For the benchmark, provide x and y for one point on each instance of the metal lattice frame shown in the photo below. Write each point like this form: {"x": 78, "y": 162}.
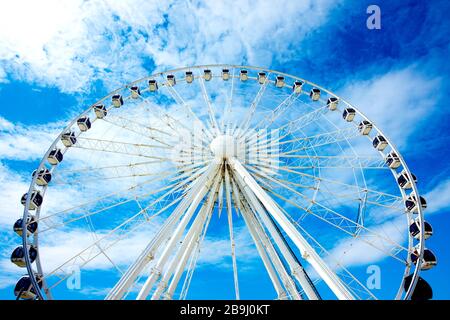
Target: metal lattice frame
{"x": 246, "y": 188}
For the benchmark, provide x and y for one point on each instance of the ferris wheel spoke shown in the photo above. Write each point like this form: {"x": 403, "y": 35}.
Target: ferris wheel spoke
{"x": 93, "y": 250}
{"x": 105, "y": 205}
{"x": 230, "y": 229}
{"x": 259, "y": 235}
{"x": 211, "y": 179}
{"x": 391, "y": 202}
{"x": 352, "y": 282}
{"x": 296, "y": 125}
{"x": 117, "y": 194}
{"x": 212, "y": 117}
{"x": 371, "y": 197}
{"x": 109, "y": 177}
{"x": 191, "y": 240}
{"x": 268, "y": 176}
{"x": 303, "y": 143}
{"x": 104, "y": 208}
{"x": 243, "y": 127}
{"x": 389, "y": 197}
{"x": 140, "y": 129}
{"x": 118, "y": 233}
{"x": 330, "y": 162}
{"x": 174, "y": 124}
{"x": 228, "y": 107}
{"x": 177, "y": 97}
{"x": 113, "y": 143}
{"x": 278, "y": 111}
{"x": 198, "y": 187}
{"x": 131, "y": 149}
{"x": 295, "y": 267}
{"x": 132, "y": 169}
{"x": 351, "y": 228}
{"x": 118, "y": 167}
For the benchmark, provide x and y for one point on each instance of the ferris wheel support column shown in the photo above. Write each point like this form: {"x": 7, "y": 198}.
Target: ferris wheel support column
{"x": 146, "y": 256}
{"x": 184, "y": 251}
{"x": 296, "y": 268}
{"x": 308, "y": 253}
{"x": 156, "y": 270}
{"x": 259, "y": 235}
{"x": 194, "y": 243}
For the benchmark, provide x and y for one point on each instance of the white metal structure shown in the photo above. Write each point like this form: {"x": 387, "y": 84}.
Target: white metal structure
{"x": 138, "y": 179}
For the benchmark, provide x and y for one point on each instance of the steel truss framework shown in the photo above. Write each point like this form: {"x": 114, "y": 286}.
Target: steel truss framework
{"x": 252, "y": 159}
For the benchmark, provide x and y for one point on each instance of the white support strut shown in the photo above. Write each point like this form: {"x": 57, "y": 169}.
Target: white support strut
{"x": 308, "y": 253}
{"x": 193, "y": 244}
{"x": 296, "y": 269}
{"x": 146, "y": 256}
{"x": 156, "y": 270}
{"x": 259, "y": 235}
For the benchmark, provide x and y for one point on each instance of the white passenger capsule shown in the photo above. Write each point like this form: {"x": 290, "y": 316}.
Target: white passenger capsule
{"x": 189, "y": 76}
{"x": 411, "y": 203}
{"x": 392, "y": 160}
{"x": 379, "y": 143}
{"x": 414, "y": 229}
{"x": 171, "y": 80}
{"x": 365, "y": 127}
{"x": 404, "y": 181}
{"x": 332, "y": 103}
{"x": 279, "y": 81}
{"x": 31, "y": 225}
{"x": 36, "y": 200}
{"x": 152, "y": 85}
{"x": 117, "y": 100}
{"x": 349, "y": 114}
{"x": 262, "y": 77}
{"x": 422, "y": 290}
{"x": 55, "y": 156}
{"x": 225, "y": 74}
{"x": 207, "y": 74}
{"x": 429, "y": 259}
{"x": 243, "y": 75}
{"x": 84, "y": 123}
{"x": 18, "y": 256}
{"x": 135, "y": 92}
{"x": 297, "y": 87}
{"x": 314, "y": 94}
{"x": 68, "y": 139}
{"x": 24, "y": 288}
{"x": 100, "y": 111}
{"x": 43, "y": 177}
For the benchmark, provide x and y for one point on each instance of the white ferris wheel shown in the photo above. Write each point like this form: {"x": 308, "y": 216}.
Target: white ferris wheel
{"x": 137, "y": 185}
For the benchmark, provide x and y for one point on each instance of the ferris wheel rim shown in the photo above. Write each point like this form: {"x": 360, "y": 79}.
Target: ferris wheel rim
{"x": 26, "y": 242}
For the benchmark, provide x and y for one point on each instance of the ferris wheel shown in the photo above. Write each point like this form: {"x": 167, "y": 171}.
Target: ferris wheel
{"x": 267, "y": 170}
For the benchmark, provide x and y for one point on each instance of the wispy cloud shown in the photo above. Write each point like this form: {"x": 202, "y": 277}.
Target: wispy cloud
{"x": 72, "y": 44}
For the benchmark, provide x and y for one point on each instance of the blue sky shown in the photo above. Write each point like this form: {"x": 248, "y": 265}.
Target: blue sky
{"x": 58, "y": 57}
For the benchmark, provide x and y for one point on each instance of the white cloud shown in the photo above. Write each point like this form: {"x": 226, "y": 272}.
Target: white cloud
{"x": 26, "y": 142}
{"x": 71, "y": 44}
{"x": 438, "y": 198}
{"x": 353, "y": 251}
{"x": 396, "y": 101}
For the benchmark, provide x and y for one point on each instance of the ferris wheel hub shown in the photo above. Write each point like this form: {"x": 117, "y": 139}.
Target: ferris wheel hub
{"x": 224, "y": 146}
